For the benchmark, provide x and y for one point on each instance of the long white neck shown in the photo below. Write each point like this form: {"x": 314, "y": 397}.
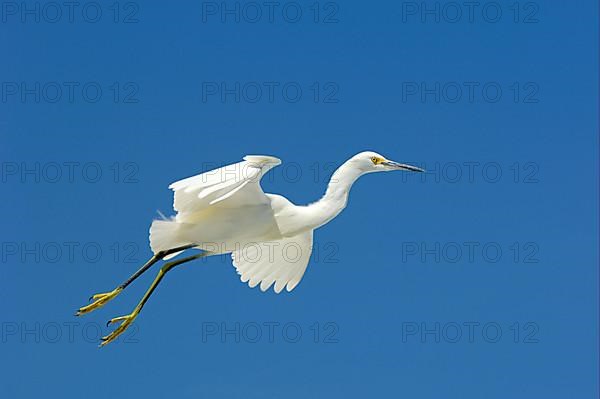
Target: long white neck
{"x": 336, "y": 196}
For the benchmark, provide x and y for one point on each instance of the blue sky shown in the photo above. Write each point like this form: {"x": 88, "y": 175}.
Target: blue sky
{"x": 477, "y": 279}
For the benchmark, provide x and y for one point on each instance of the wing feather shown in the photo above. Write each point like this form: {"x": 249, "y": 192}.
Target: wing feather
{"x": 232, "y": 185}
{"x": 268, "y": 263}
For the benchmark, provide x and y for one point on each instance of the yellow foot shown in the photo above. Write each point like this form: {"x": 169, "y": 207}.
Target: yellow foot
{"x": 99, "y": 301}
{"x": 126, "y": 322}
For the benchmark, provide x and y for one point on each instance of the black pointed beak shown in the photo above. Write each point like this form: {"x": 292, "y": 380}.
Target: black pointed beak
{"x": 402, "y": 166}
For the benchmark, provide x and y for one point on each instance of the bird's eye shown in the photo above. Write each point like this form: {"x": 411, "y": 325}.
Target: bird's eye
{"x": 374, "y": 160}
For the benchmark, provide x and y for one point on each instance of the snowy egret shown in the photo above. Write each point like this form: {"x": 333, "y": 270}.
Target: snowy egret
{"x": 226, "y": 211}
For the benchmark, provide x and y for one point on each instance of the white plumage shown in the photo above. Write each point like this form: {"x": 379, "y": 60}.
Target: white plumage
{"x": 226, "y": 211}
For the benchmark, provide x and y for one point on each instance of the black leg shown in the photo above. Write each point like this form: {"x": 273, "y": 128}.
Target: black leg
{"x": 159, "y": 255}
{"x": 103, "y": 298}
{"x": 128, "y": 319}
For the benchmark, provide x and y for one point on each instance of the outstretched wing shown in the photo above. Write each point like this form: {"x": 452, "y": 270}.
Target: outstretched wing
{"x": 282, "y": 262}
{"x": 232, "y": 185}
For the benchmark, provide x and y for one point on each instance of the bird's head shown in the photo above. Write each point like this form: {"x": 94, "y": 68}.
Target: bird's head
{"x": 369, "y": 161}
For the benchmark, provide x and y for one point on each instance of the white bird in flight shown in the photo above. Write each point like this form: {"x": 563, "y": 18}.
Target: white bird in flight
{"x": 225, "y": 211}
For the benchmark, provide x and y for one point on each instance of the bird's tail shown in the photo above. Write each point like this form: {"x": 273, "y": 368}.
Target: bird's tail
{"x": 165, "y": 235}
